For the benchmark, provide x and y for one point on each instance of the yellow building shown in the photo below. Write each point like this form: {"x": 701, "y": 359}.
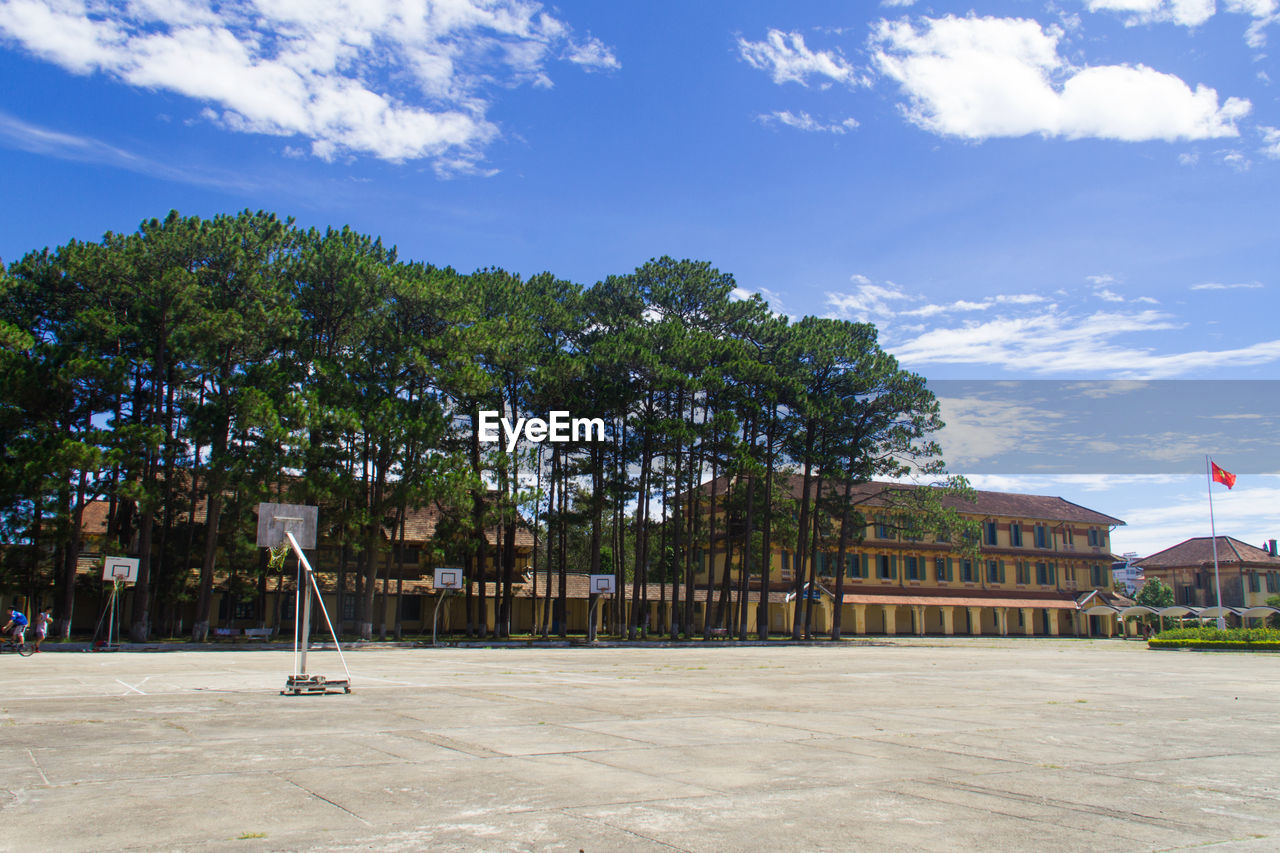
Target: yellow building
{"x": 1040, "y": 556}
{"x": 1248, "y": 575}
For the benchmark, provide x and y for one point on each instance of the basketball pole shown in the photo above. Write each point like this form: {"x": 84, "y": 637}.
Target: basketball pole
{"x": 300, "y": 641}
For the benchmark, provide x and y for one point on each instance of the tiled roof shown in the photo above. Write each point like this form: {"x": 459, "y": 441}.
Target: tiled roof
{"x": 1199, "y": 551}
{"x": 420, "y": 523}
{"x": 987, "y": 503}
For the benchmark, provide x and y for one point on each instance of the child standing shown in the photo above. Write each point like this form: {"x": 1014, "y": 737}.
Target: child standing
{"x": 42, "y": 625}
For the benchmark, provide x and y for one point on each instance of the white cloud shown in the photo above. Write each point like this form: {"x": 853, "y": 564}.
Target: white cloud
{"x": 1057, "y": 342}
{"x": 1214, "y": 285}
{"x": 24, "y": 136}
{"x": 1033, "y": 335}
{"x": 1271, "y": 142}
{"x": 978, "y": 78}
{"x": 804, "y": 121}
{"x": 869, "y": 301}
{"x": 788, "y": 60}
{"x": 1188, "y": 13}
{"x": 399, "y": 82}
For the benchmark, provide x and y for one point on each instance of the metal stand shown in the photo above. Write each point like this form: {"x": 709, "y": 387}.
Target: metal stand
{"x": 435, "y": 620}
{"x": 300, "y": 683}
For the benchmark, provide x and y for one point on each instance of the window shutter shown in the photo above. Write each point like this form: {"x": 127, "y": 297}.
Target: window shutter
{"x": 1002, "y": 571}
{"x": 950, "y": 576}
{"x": 865, "y": 567}
{"x": 893, "y": 567}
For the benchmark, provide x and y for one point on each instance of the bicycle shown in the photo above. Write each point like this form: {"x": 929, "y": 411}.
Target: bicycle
{"x": 26, "y": 649}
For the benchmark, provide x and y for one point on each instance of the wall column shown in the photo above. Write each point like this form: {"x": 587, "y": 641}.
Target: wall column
{"x": 1028, "y": 621}
{"x": 890, "y": 618}
{"x": 948, "y": 620}
{"x": 919, "y": 609}
{"x": 859, "y": 618}
{"x": 1054, "y": 617}
{"x": 1002, "y": 621}
{"x": 975, "y": 620}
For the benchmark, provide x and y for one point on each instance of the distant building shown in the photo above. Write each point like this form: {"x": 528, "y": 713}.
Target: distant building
{"x": 1126, "y": 575}
{"x": 1248, "y": 574}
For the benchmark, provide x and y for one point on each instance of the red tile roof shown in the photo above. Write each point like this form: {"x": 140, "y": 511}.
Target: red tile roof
{"x": 1198, "y": 551}
{"x": 987, "y": 503}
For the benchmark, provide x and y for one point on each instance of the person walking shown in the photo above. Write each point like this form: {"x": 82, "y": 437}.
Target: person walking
{"x": 43, "y": 620}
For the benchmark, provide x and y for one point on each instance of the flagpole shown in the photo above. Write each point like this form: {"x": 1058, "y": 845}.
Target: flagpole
{"x": 1213, "y": 532}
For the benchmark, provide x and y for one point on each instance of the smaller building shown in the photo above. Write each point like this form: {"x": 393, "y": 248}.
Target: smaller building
{"x": 1248, "y": 574}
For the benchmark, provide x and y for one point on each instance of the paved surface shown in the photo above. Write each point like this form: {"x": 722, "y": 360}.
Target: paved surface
{"x": 969, "y": 745}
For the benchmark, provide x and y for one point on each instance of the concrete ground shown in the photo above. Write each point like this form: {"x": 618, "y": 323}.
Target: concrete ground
{"x": 967, "y": 744}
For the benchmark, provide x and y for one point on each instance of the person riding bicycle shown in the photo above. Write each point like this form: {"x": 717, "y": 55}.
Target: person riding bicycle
{"x": 17, "y": 625}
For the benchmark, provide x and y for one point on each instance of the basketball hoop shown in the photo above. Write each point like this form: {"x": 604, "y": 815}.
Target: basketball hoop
{"x": 292, "y": 527}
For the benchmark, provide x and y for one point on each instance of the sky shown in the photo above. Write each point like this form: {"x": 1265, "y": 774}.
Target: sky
{"x": 1013, "y": 191}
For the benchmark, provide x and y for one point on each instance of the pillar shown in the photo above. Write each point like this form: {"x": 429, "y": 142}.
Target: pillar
{"x": 1053, "y": 622}
{"x": 948, "y": 620}
{"x": 1028, "y": 621}
{"x": 1002, "y": 621}
{"x": 975, "y": 620}
{"x": 890, "y": 618}
{"x": 859, "y": 618}
{"x": 919, "y": 609}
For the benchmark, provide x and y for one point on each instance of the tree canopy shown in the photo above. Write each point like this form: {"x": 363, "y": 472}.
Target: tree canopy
{"x": 215, "y": 363}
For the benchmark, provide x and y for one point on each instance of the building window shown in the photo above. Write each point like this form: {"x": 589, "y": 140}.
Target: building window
{"x": 1067, "y": 536}
{"x": 1023, "y": 572}
{"x": 247, "y": 609}
{"x": 411, "y": 608}
{"x": 940, "y": 569}
{"x": 1255, "y": 582}
{"x": 1042, "y": 573}
{"x": 993, "y": 571}
{"x": 1273, "y": 581}
{"x": 786, "y": 565}
{"x": 1015, "y": 535}
{"x": 349, "y": 606}
{"x": 1096, "y": 576}
{"x": 1094, "y": 539}
{"x": 826, "y": 565}
{"x": 989, "y": 532}
{"x": 966, "y": 572}
{"x": 882, "y": 530}
{"x": 1042, "y": 536}
{"x": 912, "y": 568}
{"x": 883, "y": 567}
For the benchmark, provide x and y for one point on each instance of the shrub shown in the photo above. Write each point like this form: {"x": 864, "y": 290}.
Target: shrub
{"x": 1206, "y": 637}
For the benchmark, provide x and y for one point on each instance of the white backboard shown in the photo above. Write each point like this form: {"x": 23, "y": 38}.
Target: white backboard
{"x": 448, "y": 579}
{"x": 124, "y": 569}
{"x": 299, "y": 519}
{"x": 602, "y": 584}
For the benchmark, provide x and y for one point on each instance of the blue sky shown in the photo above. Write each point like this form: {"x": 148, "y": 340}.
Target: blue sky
{"x": 1078, "y": 189}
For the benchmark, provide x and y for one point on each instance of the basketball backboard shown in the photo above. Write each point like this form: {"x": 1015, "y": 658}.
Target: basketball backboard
{"x": 602, "y": 584}
{"x": 448, "y": 579}
{"x": 123, "y": 569}
{"x": 298, "y": 519}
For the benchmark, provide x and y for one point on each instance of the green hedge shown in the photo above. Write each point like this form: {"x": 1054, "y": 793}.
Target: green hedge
{"x": 1238, "y": 639}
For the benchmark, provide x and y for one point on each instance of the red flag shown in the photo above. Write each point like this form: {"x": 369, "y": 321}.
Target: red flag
{"x": 1226, "y": 478}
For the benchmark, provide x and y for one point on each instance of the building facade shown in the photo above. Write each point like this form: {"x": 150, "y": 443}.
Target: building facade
{"x": 1248, "y": 575}
{"x": 1039, "y": 557}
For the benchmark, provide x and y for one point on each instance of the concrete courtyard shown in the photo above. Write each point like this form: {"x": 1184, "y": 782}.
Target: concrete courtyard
{"x": 967, "y": 744}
